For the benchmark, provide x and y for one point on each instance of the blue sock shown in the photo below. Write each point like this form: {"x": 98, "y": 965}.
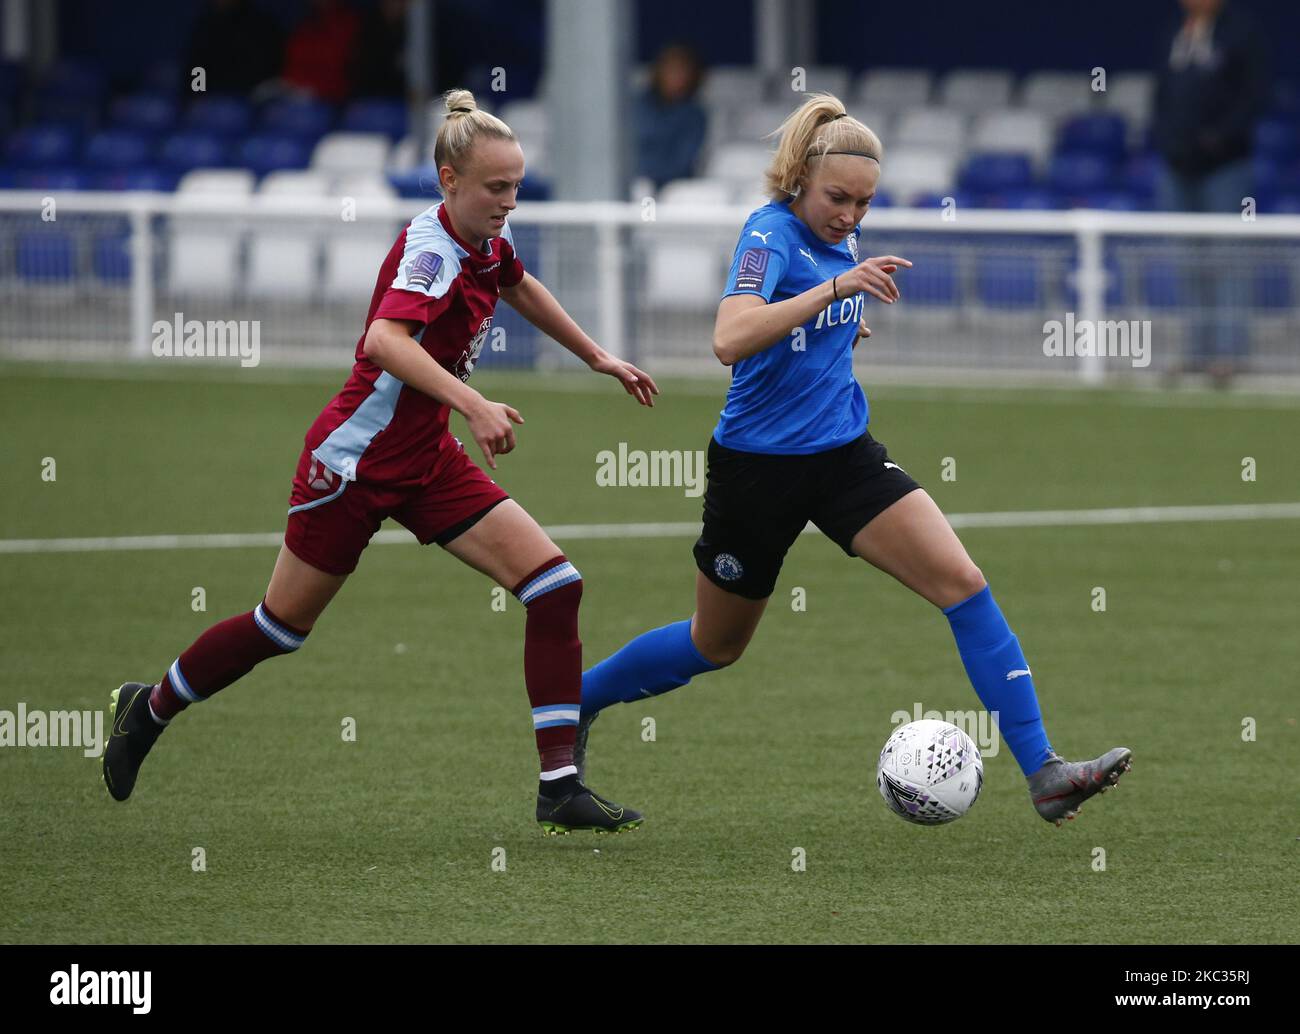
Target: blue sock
{"x": 1000, "y": 675}
{"x": 652, "y": 663}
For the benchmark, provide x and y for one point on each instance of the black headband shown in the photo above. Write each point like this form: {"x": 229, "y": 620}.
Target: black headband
{"x": 860, "y": 154}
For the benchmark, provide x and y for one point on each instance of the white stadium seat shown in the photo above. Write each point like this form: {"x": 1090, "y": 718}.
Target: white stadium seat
{"x": 340, "y": 153}
{"x": 740, "y": 164}
{"x": 937, "y": 128}
{"x": 1058, "y": 94}
{"x": 975, "y": 90}
{"x": 732, "y": 86}
{"x": 364, "y": 185}
{"x": 818, "y": 79}
{"x": 202, "y": 250}
{"x": 293, "y": 183}
{"x": 1132, "y": 95}
{"x": 915, "y": 171}
{"x": 752, "y": 123}
{"x": 353, "y": 255}
{"x": 695, "y": 192}
{"x": 284, "y": 254}
{"x": 894, "y": 89}
{"x": 216, "y": 181}
{"x": 525, "y": 117}
{"x": 1028, "y": 132}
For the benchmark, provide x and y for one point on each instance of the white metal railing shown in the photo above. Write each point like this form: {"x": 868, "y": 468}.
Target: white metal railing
{"x": 613, "y": 230}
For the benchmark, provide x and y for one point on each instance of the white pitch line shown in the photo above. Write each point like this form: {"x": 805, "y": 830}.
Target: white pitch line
{"x": 672, "y": 529}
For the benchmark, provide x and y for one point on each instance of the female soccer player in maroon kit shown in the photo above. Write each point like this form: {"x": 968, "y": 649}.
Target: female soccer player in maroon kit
{"x": 381, "y": 448}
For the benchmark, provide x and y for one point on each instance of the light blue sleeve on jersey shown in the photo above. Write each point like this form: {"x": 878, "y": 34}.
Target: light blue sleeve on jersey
{"x": 759, "y": 263}
{"x": 430, "y": 261}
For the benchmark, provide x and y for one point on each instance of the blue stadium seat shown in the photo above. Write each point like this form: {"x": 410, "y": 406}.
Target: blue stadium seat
{"x": 934, "y": 199}
{"x": 1163, "y": 285}
{"x": 118, "y": 149}
{"x": 1111, "y": 201}
{"x": 53, "y": 178}
{"x": 192, "y": 149}
{"x": 420, "y": 182}
{"x": 1274, "y": 284}
{"x": 146, "y": 112}
{"x": 42, "y": 146}
{"x": 933, "y": 280}
{"x": 70, "y": 90}
{"x": 534, "y": 188}
{"x": 1073, "y": 173}
{"x": 266, "y": 152}
{"x": 45, "y": 255}
{"x": 1267, "y": 175}
{"x": 1099, "y": 134}
{"x": 375, "y": 115}
{"x": 1026, "y": 198}
{"x": 1280, "y": 204}
{"x": 1141, "y": 175}
{"x": 111, "y": 256}
{"x": 140, "y": 177}
{"x": 989, "y": 173}
{"x": 1009, "y": 280}
{"x": 1278, "y": 138}
{"x": 6, "y": 179}
{"x": 309, "y": 119}
{"x": 219, "y": 115}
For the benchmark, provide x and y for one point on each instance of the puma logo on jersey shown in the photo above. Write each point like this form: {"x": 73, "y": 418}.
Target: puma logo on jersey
{"x": 761, "y": 236}
{"x": 1015, "y": 673}
{"x": 808, "y": 256}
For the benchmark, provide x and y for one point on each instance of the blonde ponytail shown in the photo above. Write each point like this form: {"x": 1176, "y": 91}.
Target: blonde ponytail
{"x": 465, "y": 123}
{"x": 820, "y": 124}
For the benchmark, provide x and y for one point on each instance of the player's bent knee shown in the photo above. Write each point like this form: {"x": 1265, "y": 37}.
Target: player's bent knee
{"x": 722, "y": 654}
{"x": 962, "y": 584}
{"x": 554, "y": 581}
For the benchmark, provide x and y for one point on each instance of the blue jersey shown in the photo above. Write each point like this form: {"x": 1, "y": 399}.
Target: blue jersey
{"x": 798, "y": 395}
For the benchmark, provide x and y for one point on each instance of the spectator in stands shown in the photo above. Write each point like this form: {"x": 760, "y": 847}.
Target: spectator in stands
{"x": 1211, "y": 86}
{"x": 238, "y": 47}
{"x": 318, "y": 58}
{"x": 380, "y": 62}
{"x": 670, "y": 122}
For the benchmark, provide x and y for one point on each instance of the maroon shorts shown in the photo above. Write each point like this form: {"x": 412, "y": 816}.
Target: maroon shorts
{"x": 331, "y": 520}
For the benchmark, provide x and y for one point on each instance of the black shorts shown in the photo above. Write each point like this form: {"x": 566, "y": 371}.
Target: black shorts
{"x": 756, "y": 505}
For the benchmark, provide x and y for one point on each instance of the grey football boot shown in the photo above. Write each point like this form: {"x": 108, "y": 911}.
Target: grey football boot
{"x": 1060, "y": 787}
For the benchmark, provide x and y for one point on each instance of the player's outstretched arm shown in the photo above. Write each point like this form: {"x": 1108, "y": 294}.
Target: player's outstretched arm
{"x": 747, "y": 324}
{"x": 538, "y": 306}
{"x": 390, "y": 346}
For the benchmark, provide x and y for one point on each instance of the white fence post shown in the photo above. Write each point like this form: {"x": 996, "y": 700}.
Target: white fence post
{"x": 1091, "y": 290}
{"x": 142, "y": 286}
{"x": 610, "y": 301}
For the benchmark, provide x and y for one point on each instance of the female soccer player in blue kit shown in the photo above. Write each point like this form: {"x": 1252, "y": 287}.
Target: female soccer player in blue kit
{"x": 792, "y": 446}
{"x": 381, "y": 448}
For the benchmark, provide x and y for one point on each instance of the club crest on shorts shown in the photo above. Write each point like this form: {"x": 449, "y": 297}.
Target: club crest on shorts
{"x": 319, "y": 476}
{"x": 727, "y": 567}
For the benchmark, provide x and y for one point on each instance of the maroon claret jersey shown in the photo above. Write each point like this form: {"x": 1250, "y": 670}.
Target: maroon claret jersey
{"x": 377, "y": 428}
